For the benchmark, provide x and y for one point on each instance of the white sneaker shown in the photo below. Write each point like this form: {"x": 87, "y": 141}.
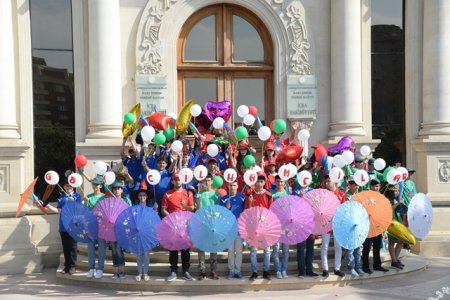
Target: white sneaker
{"x": 91, "y": 273}
{"x": 354, "y": 273}
{"x": 284, "y": 274}
{"x": 279, "y": 275}
{"x": 99, "y": 274}
{"x": 172, "y": 276}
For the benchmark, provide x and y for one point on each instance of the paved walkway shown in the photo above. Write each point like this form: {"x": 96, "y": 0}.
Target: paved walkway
{"x": 420, "y": 285}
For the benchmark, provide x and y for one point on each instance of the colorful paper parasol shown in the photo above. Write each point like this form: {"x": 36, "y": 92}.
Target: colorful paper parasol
{"x": 401, "y": 232}
{"x": 378, "y": 208}
{"x": 39, "y": 203}
{"x": 420, "y": 215}
{"x": 324, "y": 204}
{"x": 24, "y": 196}
{"x": 213, "y": 228}
{"x": 259, "y": 227}
{"x": 296, "y": 217}
{"x": 350, "y": 225}
{"x": 135, "y": 229}
{"x": 172, "y": 232}
{"x": 106, "y": 211}
{"x": 79, "y": 222}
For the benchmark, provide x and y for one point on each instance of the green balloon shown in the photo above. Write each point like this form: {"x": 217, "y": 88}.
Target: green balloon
{"x": 386, "y": 171}
{"x": 241, "y": 133}
{"x": 129, "y": 118}
{"x": 217, "y": 182}
{"x": 249, "y": 160}
{"x": 279, "y": 126}
{"x": 159, "y": 139}
{"x": 169, "y": 133}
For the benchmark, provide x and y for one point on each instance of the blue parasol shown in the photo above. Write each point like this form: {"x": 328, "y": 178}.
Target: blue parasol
{"x": 213, "y": 228}
{"x": 79, "y": 222}
{"x": 351, "y": 224}
{"x": 135, "y": 229}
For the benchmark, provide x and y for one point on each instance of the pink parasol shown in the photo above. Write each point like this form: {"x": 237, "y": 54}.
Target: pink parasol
{"x": 172, "y": 232}
{"x": 296, "y": 217}
{"x": 324, "y": 204}
{"x": 259, "y": 227}
{"x": 106, "y": 211}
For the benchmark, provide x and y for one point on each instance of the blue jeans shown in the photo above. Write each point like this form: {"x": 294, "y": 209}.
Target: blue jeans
{"x": 101, "y": 254}
{"x": 284, "y": 257}
{"x": 254, "y": 261}
{"x": 354, "y": 259}
{"x": 304, "y": 263}
{"x": 143, "y": 260}
{"x": 118, "y": 257}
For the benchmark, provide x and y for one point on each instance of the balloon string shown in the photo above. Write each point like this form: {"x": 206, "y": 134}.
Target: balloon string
{"x": 60, "y": 187}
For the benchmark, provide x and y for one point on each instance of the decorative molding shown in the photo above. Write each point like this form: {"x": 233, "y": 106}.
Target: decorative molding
{"x": 444, "y": 171}
{"x": 4, "y": 178}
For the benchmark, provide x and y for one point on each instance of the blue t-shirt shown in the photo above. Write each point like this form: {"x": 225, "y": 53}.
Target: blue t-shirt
{"x": 237, "y": 203}
{"x": 163, "y": 185}
{"x": 62, "y": 201}
{"x": 134, "y": 167}
{"x": 297, "y": 191}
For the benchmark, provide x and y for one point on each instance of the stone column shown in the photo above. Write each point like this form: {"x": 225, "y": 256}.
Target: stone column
{"x": 8, "y": 122}
{"x": 105, "y": 87}
{"x": 436, "y": 68}
{"x": 346, "y": 82}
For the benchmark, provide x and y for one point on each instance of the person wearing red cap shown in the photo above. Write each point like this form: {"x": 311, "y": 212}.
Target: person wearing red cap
{"x": 272, "y": 171}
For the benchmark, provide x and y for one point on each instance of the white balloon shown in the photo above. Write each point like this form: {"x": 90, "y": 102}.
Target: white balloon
{"x": 404, "y": 172}
{"x": 264, "y": 133}
{"x": 330, "y": 163}
{"x": 147, "y": 133}
{"x": 393, "y": 176}
{"x": 257, "y": 168}
{"x": 100, "y": 168}
{"x": 285, "y": 172}
{"x": 348, "y": 157}
{"x": 242, "y": 111}
{"x": 304, "y": 178}
{"x": 172, "y": 115}
{"x": 230, "y": 175}
{"x": 75, "y": 180}
{"x": 336, "y": 174}
{"x": 153, "y": 176}
{"x": 177, "y": 146}
{"x": 51, "y": 177}
{"x": 200, "y": 172}
{"x": 293, "y": 169}
{"x": 338, "y": 161}
{"x": 303, "y": 135}
{"x": 365, "y": 150}
{"x": 379, "y": 164}
{"x": 249, "y": 120}
{"x": 186, "y": 175}
{"x": 218, "y": 123}
{"x": 361, "y": 177}
{"x": 109, "y": 177}
{"x": 212, "y": 150}
{"x": 250, "y": 177}
{"x": 196, "y": 110}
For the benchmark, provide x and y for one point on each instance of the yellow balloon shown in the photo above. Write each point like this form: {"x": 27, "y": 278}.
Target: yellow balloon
{"x": 128, "y": 129}
{"x": 401, "y": 232}
{"x": 182, "y": 124}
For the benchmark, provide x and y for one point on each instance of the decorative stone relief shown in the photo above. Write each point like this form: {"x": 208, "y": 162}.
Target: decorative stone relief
{"x": 444, "y": 171}
{"x": 4, "y": 178}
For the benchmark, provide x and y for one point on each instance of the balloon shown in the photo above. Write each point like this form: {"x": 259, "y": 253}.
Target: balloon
{"x": 264, "y": 133}
{"x": 159, "y": 121}
{"x": 336, "y": 174}
{"x": 186, "y": 175}
{"x": 249, "y": 160}
{"x": 304, "y": 178}
{"x": 129, "y": 118}
{"x": 379, "y": 164}
{"x": 100, "y": 168}
{"x": 393, "y": 176}
{"x": 404, "y": 172}
{"x": 196, "y": 110}
{"x": 386, "y": 171}
{"x": 177, "y": 146}
{"x": 218, "y": 123}
{"x": 80, "y": 161}
{"x": 320, "y": 152}
{"x": 365, "y": 150}
{"x": 348, "y": 157}
{"x": 169, "y": 133}
{"x": 338, "y": 161}
{"x": 289, "y": 153}
{"x": 257, "y": 168}
{"x": 250, "y": 177}
{"x": 249, "y": 120}
{"x": 345, "y": 143}
{"x": 252, "y": 110}
{"x": 172, "y": 115}
{"x": 212, "y": 150}
{"x": 181, "y": 126}
{"x": 285, "y": 172}
{"x": 75, "y": 180}
{"x": 147, "y": 133}
{"x": 221, "y": 109}
{"x": 242, "y": 111}
{"x": 293, "y": 169}
{"x": 330, "y": 164}
{"x": 217, "y": 182}
{"x": 279, "y": 126}
{"x": 230, "y": 175}
{"x": 200, "y": 172}
{"x": 361, "y": 177}
{"x": 109, "y": 177}
{"x": 241, "y": 133}
{"x": 222, "y": 192}
{"x": 153, "y": 176}
{"x": 159, "y": 139}
{"x": 51, "y": 177}
{"x": 303, "y": 135}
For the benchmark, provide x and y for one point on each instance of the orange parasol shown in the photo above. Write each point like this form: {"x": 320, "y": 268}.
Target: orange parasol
{"x": 378, "y": 208}
{"x": 24, "y": 196}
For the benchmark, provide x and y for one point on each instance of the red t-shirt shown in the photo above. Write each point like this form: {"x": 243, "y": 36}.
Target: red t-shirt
{"x": 341, "y": 195}
{"x": 171, "y": 200}
{"x": 262, "y": 199}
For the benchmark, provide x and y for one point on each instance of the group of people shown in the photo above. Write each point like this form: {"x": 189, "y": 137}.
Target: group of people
{"x": 171, "y": 195}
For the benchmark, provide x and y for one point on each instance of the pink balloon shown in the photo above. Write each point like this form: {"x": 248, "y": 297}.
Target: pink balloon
{"x": 345, "y": 143}
{"x": 220, "y": 109}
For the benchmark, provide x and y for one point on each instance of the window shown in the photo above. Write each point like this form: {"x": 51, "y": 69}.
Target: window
{"x": 225, "y": 53}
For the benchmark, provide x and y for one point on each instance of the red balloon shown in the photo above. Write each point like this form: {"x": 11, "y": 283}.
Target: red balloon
{"x": 80, "y": 161}
{"x": 222, "y": 192}
{"x": 289, "y": 153}
{"x": 159, "y": 121}
{"x": 320, "y": 152}
{"x": 252, "y": 110}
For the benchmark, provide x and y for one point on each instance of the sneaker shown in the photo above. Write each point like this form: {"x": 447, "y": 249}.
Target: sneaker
{"x": 279, "y": 276}
{"x": 172, "y": 276}
{"x": 301, "y": 276}
{"x": 368, "y": 271}
{"x": 214, "y": 276}
{"x": 381, "y": 269}
{"x": 146, "y": 277}
{"x": 230, "y": 276}
{"x": 201, "y": 276}
{"x": 122, "y": 275}
{"x": 99, "y": 274}
{"x": 91, "y": 273}
{"x": 115, "y": 276}
{"x": 138, "y": 278}
{"x": 72, "y": 271}
{"x": 360, "y": 272}
{"x": 266, "y": 275}
{"x": 339, "y": 273}
{"x": 354, "y": 273}
{"x": 238, "y": 275}
{"x": 284, "y": 274}
{"x": 187, "y": 276}
{"x": 325, "y": 273}
{"x": 254, "y": 276}
{"x": 311, "y": 274}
